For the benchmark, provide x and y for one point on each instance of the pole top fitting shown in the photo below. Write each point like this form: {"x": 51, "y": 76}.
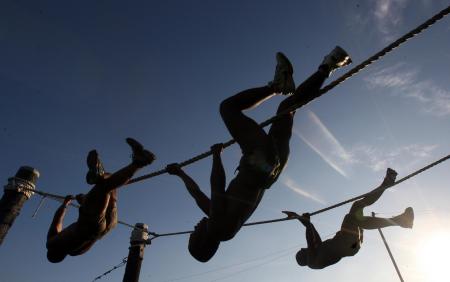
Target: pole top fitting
{"x": 28, "y": 173}
{"x": 139, "y": 235}
{"x": 24, "y": 181}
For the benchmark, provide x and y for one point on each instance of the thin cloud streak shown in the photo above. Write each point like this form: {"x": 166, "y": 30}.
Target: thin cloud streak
{"x": 404, "y": 80}
{"x": 328, "y": 160}
{"x": 325, "y": 144}
{"x": 405, "y": 157}
{"x": 387, "y": 15}
{"x": 320, "y": 139}
{"x": 292, "y": 185}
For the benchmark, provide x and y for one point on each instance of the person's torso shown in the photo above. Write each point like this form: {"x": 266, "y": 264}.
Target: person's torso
{"x": 332, "y": 250}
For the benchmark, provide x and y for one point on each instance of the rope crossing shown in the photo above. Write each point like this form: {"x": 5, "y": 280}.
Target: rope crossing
{"x": 156, "y": 235}
{"x": 327, "y": 88}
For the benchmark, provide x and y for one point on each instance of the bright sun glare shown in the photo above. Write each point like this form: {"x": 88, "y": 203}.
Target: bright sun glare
{"x": 433, "y": 254}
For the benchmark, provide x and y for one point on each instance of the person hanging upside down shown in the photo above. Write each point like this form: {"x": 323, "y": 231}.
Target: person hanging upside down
{"x": 347, "y": 242}
{"x": 264, "y": 155}
{"x": 98, "y": 208}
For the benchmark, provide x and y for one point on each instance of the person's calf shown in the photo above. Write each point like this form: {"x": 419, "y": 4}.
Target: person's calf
{"x": 406, "y": 219}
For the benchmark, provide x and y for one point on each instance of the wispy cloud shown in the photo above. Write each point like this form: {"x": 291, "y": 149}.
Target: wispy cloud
{"x": 405, "y": 157}
{"x": 292, "y": 185}
{"x": 404, "y": 79}
{"x": 382, "y": 17}
{"x": 388, "y": 16}
{"x": 320, "y": 139}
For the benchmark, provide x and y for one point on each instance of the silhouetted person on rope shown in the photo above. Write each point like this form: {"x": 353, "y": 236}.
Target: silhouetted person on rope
{"x": 347, "y": 242}
{"x": 98, "y": 208}
{"x": 264, "y": 155}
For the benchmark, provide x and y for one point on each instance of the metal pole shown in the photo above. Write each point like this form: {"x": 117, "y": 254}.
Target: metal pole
{"x": 138, "y": 241}
{"x": 16, "y": 193}
{"x": 389, "y": 252}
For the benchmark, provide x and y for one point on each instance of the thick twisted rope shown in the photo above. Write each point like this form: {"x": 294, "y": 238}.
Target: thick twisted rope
{"x": 324, "y": 90}
{"x": 156, "y": 235}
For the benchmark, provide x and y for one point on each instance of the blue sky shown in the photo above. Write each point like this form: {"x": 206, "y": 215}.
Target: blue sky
{"x": 87, "y": 74}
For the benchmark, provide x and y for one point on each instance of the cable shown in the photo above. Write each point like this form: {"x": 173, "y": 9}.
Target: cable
{"x": 124, "y": 261}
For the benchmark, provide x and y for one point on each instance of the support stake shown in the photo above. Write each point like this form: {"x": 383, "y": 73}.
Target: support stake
{"x": 390, "y": 253}
{"x": 18, "y": 190}
{"x": 138, "y": 241}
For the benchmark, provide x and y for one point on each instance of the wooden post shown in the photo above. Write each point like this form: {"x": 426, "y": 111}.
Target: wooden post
{"x": 138, "y": 241}
{"x": 16, "y": 193}
{"x": 390, "y": 253}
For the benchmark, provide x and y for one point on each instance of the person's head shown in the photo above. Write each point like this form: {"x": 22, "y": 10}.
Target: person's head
{"x": 302, "y": 257}
{"x": 202, "y": 245}
{"x": 55, "y": 256}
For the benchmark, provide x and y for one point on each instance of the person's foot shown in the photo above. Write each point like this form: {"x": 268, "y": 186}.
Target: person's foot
{"x": 337, "y": 58}
{"x": 96, "y": 170}
{"x": 406, "y": 219}
{"x": 282, "y": 81}
{"x": 390, "y": 177}
{"x": 141, "y": 157}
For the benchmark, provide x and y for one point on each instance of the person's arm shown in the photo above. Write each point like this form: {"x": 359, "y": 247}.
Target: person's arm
{"x": 200, "y": 198}
{"x": 80, "y": 198}
{"x": 217, "y": 173}
{"x": 58, "y": 219}
{"x": 312, "y": 236}
{"x": 218, "y": 201}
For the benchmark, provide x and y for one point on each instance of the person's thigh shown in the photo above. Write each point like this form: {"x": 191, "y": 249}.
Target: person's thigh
{"x": 350, "y": 224}
{"x": 280, "y": 133}
{"x": 247, "y": 133}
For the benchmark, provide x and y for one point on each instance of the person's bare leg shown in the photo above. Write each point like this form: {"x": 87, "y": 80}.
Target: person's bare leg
{"x": 247, "y": 133}
{"x": 281, "y": 129}
{"x": 404, "y": 220}
{"x": 141, "y": 158}
{"x": 375, "y": 194}
{"x": 96, "y": 200}
{"x": 366, "y": 222}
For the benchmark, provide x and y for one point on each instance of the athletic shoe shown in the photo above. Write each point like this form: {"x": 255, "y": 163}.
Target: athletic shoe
{"x": 336, "y": 59}
{"x": 282, "y": 81}
{"x": 141, "y": 157}
{"x": 96, "y": 170}
{"x": 406, "y": 219}
{"x": 390, "y": 177}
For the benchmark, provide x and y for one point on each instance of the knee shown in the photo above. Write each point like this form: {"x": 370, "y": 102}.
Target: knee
{"x": 226, "y": 108}
{"x": 285, "y": 104}
{"x": 357, "y": 207}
